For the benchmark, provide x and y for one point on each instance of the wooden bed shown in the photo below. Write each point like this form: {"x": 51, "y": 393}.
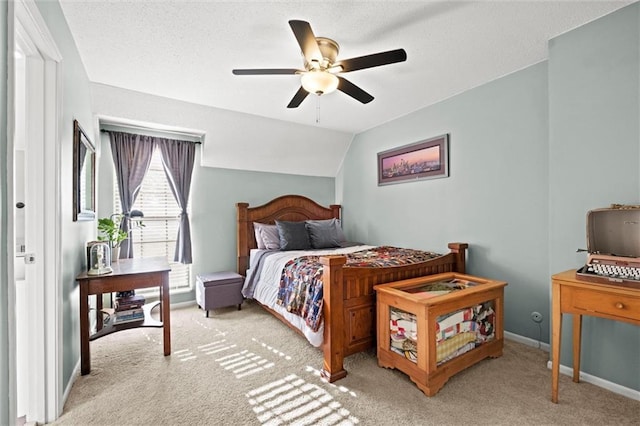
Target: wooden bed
{"x": 348, "y": 296}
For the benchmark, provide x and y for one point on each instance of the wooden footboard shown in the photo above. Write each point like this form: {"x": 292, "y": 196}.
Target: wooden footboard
{"x": 348, "y": 296}
{"x": 350, "y": 304}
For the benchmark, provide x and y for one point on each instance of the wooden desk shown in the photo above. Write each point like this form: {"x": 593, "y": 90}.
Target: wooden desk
{"x": 577, "y": 297}
{"x": 128, "y": 274}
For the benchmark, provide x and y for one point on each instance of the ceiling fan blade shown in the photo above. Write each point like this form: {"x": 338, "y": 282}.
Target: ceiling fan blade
{"x": 307, "y": 40}
{"x": 266, "y": 71}
{"x": 300, "y": 95}
{"x": 354, "y": 91}
{"x": 375, "y": 60}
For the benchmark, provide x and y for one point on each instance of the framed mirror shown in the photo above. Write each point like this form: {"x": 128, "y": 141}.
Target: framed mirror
{"x": 84, "y": 175}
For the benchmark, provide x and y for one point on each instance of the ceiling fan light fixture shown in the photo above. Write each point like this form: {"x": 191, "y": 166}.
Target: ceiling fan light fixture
{"x": 320, "y": 55}
{"x": 319, "y": 82}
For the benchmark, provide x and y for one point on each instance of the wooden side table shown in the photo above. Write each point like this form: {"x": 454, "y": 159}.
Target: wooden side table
{"x": 573, "y": 296}
{"x": 128, "y": 274}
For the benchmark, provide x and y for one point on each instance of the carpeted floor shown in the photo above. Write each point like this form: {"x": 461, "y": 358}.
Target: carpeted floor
{"x": 247, "y": 368}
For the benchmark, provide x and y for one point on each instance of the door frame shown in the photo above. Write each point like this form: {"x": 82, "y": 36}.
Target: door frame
{"x": 26, "y": 23}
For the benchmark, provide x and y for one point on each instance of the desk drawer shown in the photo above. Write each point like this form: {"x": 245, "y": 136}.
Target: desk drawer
{"x": 622, "y": 306}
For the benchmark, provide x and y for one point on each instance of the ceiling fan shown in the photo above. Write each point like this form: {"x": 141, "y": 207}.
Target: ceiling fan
{"x": 321, "y": 66}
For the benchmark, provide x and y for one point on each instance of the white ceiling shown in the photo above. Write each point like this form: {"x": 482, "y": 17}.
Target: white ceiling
{"x": 186, "y": 49}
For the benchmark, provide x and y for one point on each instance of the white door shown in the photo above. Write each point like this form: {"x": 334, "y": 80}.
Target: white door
{"x": 34, "y": 324}
{"x": 19, "y": 235}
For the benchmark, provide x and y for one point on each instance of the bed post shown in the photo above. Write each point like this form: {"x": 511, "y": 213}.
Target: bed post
{"x": 333, "y": 307}
{"x": 335, "y": 210}
{"x": 459, "y": 250}
{"x": 242, "y": 243}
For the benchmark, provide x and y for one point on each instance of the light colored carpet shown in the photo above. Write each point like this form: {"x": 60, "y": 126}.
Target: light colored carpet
{"x": 246, "y": 367}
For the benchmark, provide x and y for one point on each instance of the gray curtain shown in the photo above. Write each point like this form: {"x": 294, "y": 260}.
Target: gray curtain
{"x": 131, "y": 158}
{"x": 178, "y": 158}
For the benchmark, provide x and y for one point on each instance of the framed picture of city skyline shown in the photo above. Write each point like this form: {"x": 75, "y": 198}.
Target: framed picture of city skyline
{"x": 426, "y": 159}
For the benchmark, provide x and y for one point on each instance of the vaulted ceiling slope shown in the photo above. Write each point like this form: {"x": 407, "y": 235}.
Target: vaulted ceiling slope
{"x": 185, "y": 50}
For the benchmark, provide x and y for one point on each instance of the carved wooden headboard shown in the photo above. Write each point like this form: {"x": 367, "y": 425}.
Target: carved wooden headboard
{"x": 293, "y": 208}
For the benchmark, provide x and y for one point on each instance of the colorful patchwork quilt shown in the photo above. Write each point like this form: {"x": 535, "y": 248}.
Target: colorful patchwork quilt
{"x": 300, "y": 289}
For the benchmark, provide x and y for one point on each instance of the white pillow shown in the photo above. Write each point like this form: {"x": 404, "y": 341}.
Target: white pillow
{"x": 260, "y": 239}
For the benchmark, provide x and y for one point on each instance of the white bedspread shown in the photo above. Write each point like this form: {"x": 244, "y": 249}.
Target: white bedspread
{"x": 268, "y": 283}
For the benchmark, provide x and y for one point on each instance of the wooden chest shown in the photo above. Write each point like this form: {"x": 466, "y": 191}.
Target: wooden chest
{"x": 435, "y": 326}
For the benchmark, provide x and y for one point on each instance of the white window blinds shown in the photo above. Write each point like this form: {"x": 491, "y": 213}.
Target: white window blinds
{"x": 158, "y": 235}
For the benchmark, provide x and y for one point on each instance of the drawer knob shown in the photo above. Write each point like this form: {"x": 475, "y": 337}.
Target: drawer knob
{"x": 619, "y": 305}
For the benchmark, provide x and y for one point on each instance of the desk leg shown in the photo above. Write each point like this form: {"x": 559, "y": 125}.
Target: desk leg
{"x": 577, "y": 335}
{"x": 99, "y": 318}
{"x": 85, "y": 357}
{"x": 555, "y": 341}
{"x": 165, "y": 312}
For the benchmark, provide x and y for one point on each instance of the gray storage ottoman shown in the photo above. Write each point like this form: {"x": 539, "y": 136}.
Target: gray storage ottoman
{"x": 219, "y": 289}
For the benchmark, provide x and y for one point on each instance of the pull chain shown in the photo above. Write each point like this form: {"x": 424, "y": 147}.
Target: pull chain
{"x": 318, "y": 109}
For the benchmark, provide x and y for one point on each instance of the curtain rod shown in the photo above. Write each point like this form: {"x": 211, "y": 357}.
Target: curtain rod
{"x": 149, "y": 129}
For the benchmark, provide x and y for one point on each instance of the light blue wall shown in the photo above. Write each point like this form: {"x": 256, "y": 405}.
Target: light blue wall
{"x": 214, "y": 194}
{"x": 495, "y": 198}
{"x": 594, "y": 103}
{"x": 530, "y": 154}
{"x": 4, "y": 319}
{"x": 76, "y": 104}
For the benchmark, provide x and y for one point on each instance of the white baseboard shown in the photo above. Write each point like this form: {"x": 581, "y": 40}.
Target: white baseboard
{"x": 527, "y": 341}
{"x": 588, "y": 378}
{"x": 67, "y": 389}
{"x": 181, "y": 305}
{"x": 610, "y": 386}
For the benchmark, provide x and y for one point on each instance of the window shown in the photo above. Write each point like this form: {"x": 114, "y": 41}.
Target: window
{"x": 158, "y": 235}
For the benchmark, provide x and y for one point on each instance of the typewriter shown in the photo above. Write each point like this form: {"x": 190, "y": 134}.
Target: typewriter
{"x": 613, "y": 242}
{"x": 614, "y": 270}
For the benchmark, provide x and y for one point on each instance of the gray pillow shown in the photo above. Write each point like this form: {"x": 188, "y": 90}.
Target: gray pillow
{"x": 322, "y": 234}
{"x": 333, "y": 222}
{"x": 293, "y": 235}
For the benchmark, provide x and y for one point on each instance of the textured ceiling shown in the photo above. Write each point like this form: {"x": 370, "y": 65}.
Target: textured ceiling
{"x": 186, "y": 50}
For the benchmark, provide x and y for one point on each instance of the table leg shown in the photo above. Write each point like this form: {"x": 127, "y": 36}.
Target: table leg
{"x": 577, "y": 335}
{"x": 85, "y": 356}
{"x": 555, "y": 341}
{"x": 99, "y": 318}
{"x": 165, "y": 313}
